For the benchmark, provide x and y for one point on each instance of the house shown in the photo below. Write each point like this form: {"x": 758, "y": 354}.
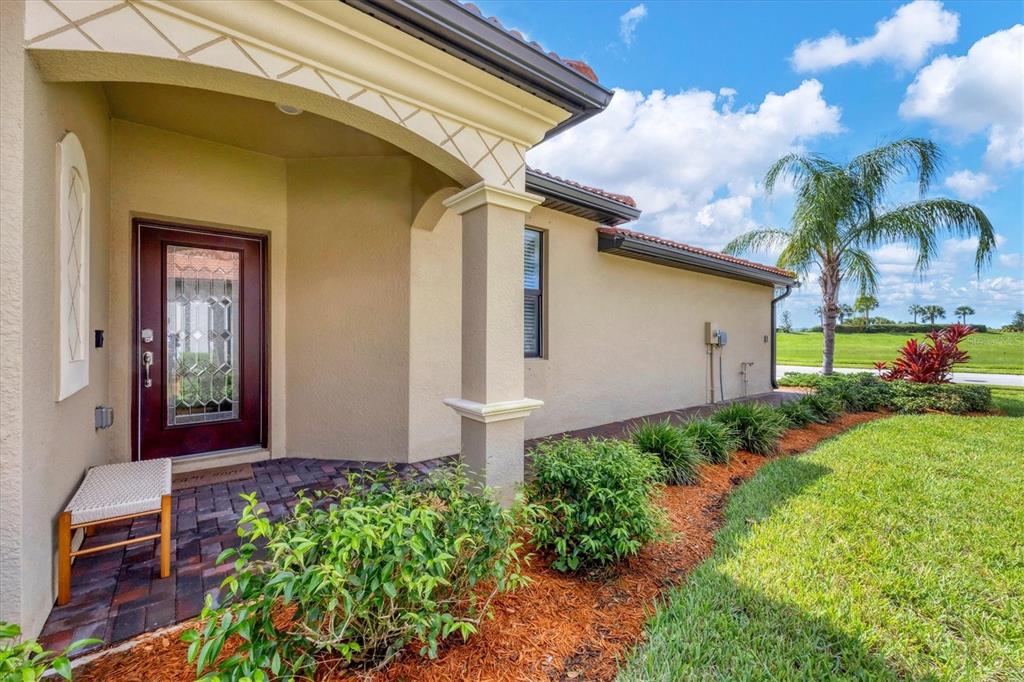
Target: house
{"x": 234, "y": 231}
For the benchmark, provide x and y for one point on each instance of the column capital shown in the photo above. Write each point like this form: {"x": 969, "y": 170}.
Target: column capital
{"x": 482, "y": 194}
{"x": 494, "y": 412}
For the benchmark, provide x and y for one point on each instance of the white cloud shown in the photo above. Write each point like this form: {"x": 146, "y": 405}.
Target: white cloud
{"x": 690, "y": 160}
{"x": 1011, "y": 260}
{"x": 970, "y": 185}
{"x": 905, "y": 38}
{"x": 629, "y": 21}
{"x": 982, "y": 91}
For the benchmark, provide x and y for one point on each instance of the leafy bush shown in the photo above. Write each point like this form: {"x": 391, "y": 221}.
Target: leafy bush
{"x": 357, "y": 575}
{"x": 27, "y": 661}
{"x": 858, "y": 392}
{"x": 758, "y": 427}
{"x": 716, "y": 442}
{"x": 930, "y": 361}
{"x": 680, "y": 458}
{"x": 913, "y": 397}
{"x": 594, "y": 501}
{"x": 798, "y": 414}
{"x": 825, "y": 408}
{"x": 802, "y": 379}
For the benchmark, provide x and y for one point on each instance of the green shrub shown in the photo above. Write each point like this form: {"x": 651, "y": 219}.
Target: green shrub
{"x": 801, "y": 379}
{"x": 367, "y": 571}
{"x": 715, "y": 441}
{"x": 897, "y": 328}
{"x": 825, "y": 408}
{"x": 911, "y": 397}
{"x": 858, "y": 392}
{"x": 680, "y": 458}
{"x": 27, "y": 661}
{"x": 798, "y": 414}
{"x": 758, "y": 427}
{"x": 594, "y": 501}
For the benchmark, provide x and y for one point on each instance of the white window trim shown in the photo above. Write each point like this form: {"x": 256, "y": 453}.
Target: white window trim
{"x": 73, "y": 374}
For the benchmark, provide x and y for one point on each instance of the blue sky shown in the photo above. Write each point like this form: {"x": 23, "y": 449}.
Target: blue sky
{"x": 708, "y": 94}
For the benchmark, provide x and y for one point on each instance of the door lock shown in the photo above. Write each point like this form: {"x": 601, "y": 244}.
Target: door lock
{"x": 147, "y": 362}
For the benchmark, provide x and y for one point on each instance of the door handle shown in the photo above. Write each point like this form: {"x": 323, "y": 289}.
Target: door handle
{"x": 147, "y": 362}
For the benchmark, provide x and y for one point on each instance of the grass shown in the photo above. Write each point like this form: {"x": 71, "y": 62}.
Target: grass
{"x": 891, "y": 552}
{"x": 991, "y": 352}
{"x": 1009, "y": 400}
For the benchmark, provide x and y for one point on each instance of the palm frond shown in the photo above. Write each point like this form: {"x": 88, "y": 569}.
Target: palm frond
{"x": 800, "y": 169}
{"x": 858, "y": 264}
{"x": 878, "y": 168}
{"x": 923, "y": 222}
{"x": 761, "y": 239}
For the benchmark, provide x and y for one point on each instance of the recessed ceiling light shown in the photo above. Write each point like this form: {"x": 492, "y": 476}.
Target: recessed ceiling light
{"x": 289, "y": 109}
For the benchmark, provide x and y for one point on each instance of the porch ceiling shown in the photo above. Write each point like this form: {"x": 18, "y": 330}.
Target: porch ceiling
{"x": 251, "y": 124}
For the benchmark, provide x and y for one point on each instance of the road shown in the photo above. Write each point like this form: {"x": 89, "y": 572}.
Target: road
{"x": 958, "y": 377}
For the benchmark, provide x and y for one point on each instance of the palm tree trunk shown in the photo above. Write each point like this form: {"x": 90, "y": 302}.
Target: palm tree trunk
{"x": 829, "y": 281}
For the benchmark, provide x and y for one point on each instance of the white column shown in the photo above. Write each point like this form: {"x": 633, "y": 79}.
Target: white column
{"x": 492, "y": 405}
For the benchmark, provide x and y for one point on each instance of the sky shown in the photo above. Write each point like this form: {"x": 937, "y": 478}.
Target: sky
{"x": 709, "y": 94}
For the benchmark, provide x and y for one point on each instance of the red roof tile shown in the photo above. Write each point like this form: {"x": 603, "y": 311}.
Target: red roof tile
{"x": 579, "y": 67}
{"x": 621, "y": 198}
{"x": 695, "y": 249}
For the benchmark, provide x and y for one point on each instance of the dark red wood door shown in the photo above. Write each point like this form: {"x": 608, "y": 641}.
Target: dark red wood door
{"x": 200, "y": 350}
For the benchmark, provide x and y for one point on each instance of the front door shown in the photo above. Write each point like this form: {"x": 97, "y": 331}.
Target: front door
{"x": 200, "y": 375}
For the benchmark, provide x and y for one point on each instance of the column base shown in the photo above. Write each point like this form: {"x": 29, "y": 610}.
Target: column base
{"x": 492, "y": 442}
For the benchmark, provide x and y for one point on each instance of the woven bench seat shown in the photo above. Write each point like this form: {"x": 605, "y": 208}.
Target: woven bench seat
{"x": 114, "y": 490}
{"x": 109, "y": 493}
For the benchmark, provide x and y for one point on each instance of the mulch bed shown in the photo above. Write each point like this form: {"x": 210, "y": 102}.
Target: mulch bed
{"x": 559, "y": 627}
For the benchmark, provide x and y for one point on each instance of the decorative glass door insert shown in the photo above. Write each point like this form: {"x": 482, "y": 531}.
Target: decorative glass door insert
{"x": 202, "y": 334}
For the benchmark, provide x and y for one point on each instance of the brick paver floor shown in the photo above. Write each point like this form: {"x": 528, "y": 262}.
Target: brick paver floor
{"x": 119, "y": 594}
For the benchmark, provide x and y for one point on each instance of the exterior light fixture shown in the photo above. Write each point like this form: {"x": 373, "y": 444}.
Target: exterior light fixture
{"x": 289, "y": 109}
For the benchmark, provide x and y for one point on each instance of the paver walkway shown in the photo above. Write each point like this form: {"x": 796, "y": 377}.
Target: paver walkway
{"x": 119, "y": 594}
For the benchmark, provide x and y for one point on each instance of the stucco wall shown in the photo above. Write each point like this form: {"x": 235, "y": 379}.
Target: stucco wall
{"x": 58, "y": 441}
{"x": 160, "y": 174}
{"x": 623, "y": 338}
{"x": 348, "y": 307}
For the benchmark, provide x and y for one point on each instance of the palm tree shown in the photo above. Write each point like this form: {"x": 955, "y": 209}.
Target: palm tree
{"x": 840, "y": 214}
{"x": 933, "y": 312}
{"x": 820, "y": 313}
{"x": 915, "y": 310}
{"x": 866, "y": 303}
{"x": 962, "y": 312}
{"x": 845, "y": 310}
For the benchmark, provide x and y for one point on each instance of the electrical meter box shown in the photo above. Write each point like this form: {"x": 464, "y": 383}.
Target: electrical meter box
{"x": 713, "y": 336}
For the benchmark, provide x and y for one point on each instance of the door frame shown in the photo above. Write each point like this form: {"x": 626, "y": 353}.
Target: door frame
{"x": 136, "y": 330}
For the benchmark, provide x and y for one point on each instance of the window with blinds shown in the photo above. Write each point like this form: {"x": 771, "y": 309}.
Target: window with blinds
{"x": 533, "y": 286}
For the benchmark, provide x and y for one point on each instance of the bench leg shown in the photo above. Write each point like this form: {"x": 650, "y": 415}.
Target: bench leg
{"x": 63, "y": 558}
{"x": 165, "y": 536}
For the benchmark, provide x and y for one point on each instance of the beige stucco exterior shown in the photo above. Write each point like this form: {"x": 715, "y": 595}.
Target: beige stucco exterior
{"x": 395, "y": 250}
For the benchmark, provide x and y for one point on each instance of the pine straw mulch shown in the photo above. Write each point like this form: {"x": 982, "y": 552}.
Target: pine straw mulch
{"x": 559, "y": 627}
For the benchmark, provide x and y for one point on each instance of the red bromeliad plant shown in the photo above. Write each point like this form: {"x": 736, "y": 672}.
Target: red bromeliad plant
{"x": 929, "y": 364}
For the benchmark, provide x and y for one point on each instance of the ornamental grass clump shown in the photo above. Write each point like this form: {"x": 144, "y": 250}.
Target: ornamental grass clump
{"x": 825, "y": 408}
{"x": 798, "y": 414}
{"x": 715, "y": 441}
{"x": 354, "y": 576}
{"x": 593, "y": 501}
{"x": 680, "y": 458}
{"x": 758, "y": 427}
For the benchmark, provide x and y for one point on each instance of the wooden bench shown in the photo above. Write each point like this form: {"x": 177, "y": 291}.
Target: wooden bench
{"x": 109, "y": 493}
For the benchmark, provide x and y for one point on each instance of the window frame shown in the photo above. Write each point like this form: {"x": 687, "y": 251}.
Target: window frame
{"x": 537, "y": 294}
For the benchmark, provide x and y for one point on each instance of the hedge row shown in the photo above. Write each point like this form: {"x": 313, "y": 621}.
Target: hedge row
{"x": 893, "y": 328}
{"x": 899, "y": 396}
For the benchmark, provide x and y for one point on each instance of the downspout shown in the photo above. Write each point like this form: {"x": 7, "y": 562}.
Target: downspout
{"x": 787, "y": 292}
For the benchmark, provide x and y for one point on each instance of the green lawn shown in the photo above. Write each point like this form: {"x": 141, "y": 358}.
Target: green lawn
{"x": 1009, "y": 400}
{"x": 892, "y": 552}
{"x": 991, "y": 352}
